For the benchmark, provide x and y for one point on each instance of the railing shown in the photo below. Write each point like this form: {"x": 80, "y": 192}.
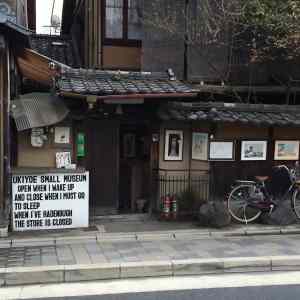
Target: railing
{"x": 189, "y": 187}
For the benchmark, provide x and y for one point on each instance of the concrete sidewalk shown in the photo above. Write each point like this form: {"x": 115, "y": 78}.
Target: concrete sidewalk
{"x": 85, "y": 259}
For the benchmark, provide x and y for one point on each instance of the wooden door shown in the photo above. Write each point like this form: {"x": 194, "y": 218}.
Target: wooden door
{"x": 103, "y": 164}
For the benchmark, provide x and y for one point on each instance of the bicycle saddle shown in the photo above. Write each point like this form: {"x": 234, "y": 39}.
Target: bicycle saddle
{"x": 262, "y": 178}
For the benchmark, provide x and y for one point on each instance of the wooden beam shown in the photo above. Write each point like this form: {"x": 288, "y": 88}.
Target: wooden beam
{"x": 130, "y": 96}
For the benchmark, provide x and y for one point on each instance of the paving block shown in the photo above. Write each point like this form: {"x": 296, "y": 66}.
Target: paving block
{"x": 100, "y": 271}
{"x": 34, "y": 275}
{"x": 197, "y": 266}
{"x": 247, "y": 264}
{"x": 285, "y": 263}
{"x": 5, "y": 243}
{"x": 146, "y": 269}
{"x": 3, "y": 231}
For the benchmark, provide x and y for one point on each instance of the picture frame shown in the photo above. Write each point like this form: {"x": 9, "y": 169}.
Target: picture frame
{"x": 222, "y": 150}
{"x": 286, "y": 150}
{"x": 129, "y": 145}
{"x": 199, "y": 145}
{"x": 254, "y": 150}
{"x": 173, "y": 145}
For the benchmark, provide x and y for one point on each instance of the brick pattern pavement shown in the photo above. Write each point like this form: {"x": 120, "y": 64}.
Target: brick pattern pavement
{"x": 135, "y": 251}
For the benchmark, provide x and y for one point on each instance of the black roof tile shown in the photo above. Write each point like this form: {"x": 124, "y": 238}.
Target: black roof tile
{"x": 58, "y": 48}
{"x": 100, "y": 82}
{"x": 257, "y": 115}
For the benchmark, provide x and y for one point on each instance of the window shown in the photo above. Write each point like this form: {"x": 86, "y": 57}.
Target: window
{"x": 122, "y": 22}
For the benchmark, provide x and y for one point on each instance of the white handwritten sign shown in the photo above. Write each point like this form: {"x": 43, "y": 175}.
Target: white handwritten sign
{"x": 50, "y": 201}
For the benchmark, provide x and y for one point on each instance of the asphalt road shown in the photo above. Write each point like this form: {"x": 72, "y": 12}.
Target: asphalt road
{"x": 242, "y": 293}
{"x": 254, "y": 286}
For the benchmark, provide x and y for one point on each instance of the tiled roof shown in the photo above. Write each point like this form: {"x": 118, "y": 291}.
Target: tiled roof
{"x": 13, "y": 31}
{"x": 99, "y": 82}
{"x": 260, "y": 115}
{"x": 58, "y": 48}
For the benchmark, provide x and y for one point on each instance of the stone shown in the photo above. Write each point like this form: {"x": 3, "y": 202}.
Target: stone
{"x": 146, "y": 269}
{"x": 247, "y": 264}
{"x": 34, "y": 275}
{"x": 285, "y": 263}
{"x": 214, "y": 214}
{"x": 197, "y": 266}
{"x": 283, "y": 215}
{"x": 92, "y": 272}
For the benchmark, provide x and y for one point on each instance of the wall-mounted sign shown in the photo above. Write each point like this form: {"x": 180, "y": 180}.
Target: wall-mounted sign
{"x": 50, "y": 201}
{"x": 80, "y": 144}
{"x": 38, "y": 137}
{"x": 62, "y": 135}
{"x": 63, "y": 160}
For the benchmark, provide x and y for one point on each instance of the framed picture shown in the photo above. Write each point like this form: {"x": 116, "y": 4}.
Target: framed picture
{"x": 129, "y": 145}
{"x": 286, "y": 150}
{"x": 173, "y": 145}
{"x": 254, "y": 150}
{"x": 199, "y": 146}
{"x": 62, "y": 135}
{"x": 221, "y": 150}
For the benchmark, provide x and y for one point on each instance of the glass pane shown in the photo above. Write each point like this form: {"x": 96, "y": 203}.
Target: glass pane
{"x": 134, "y": 20}
{"x": 114, "y": 19}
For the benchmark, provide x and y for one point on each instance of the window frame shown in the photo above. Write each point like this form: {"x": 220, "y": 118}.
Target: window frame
{"x": 125, "y": 41}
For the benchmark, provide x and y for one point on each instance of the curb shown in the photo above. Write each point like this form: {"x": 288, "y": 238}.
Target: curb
{"x": 110, "y": 271}
{"x": 103, "y": 237}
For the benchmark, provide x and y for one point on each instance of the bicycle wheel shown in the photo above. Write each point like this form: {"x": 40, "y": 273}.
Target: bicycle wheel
{"x": 296, "y": 202}
{"x": 238, "y": 206}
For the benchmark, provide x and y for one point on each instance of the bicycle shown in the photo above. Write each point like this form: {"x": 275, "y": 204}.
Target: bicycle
{"x": 247, "y": 200}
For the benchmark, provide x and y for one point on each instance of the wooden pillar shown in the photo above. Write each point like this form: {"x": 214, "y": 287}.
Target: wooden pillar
{"x": 93, "y": 34}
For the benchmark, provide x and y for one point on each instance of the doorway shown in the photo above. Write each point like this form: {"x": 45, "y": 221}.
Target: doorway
{"x": 135, "y": 171}
{"x": 102, "y": 162}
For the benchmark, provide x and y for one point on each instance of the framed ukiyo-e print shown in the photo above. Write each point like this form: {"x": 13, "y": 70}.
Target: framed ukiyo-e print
{"x": 254, "y": 150}
{"x": 221, "y": 150}
{"x": 173, "y": 145}
{"x": 286, "y": 150}
{"x": 199, "y": 146}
